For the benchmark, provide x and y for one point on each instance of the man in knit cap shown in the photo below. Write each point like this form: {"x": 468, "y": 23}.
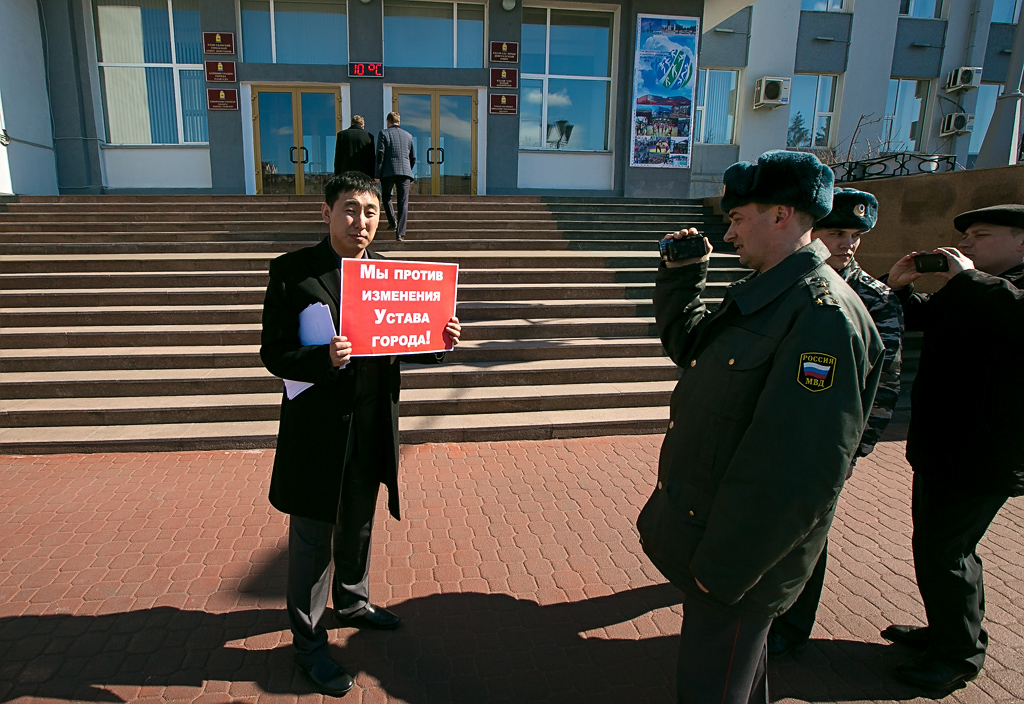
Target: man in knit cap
{"x": 775, "y": 389}
{"x": 853, "y": 214}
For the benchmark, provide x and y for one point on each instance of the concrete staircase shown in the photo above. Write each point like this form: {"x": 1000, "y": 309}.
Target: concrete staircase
{"x": 132, "y": 322}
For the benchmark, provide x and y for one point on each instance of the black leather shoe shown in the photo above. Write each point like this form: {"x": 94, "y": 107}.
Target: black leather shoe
{"x": 372, "y": 617}
{"x": 389, "y": 226}
{"x": 929, "y": 673}
{"x": 914, "y": 636}
{"x": 781, "y": 646}
{"x": 399, "y": 238}
{"x": 326, "y": 676}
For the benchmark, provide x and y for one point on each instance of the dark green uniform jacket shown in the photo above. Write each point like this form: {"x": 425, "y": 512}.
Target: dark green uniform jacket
{"x": 774, "y": 393}
{"x": 312, "y": 438}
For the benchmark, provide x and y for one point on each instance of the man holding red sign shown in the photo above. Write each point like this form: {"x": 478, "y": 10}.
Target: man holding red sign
{"x": 338, "y": 438}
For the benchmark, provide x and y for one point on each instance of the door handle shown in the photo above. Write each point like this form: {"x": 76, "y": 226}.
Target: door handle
{"x": 441, "y": 149}
{"x": 291, "y": 155}
{"x": 305, "y": 155}
{"x": 428, "y": 155}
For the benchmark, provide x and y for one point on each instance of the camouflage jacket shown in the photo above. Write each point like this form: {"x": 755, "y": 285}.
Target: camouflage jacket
{"x": 886, "y": 311}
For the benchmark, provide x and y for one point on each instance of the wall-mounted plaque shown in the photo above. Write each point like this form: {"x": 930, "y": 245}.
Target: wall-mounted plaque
{"x": 220, "y": 71}
{"x": 505, "y": 52}
{"x": 504, "y": 104}
{"x": 218, "y": 42}
{"x": 222, "y": 99}
{"x": 504, "y": 78}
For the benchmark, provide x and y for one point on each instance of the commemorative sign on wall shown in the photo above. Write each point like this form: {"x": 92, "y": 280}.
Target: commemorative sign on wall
{"x": 218, "y": 43}
{"x": 504, "y": 78}
{"x": 220, "y": 71}
{"x": 505, "y": 52}
{"x": 664, "y": 87}
{"x": 504, "y": 104}
{"x": 222, "y": 98}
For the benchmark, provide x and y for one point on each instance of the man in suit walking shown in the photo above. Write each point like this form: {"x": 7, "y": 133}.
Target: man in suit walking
{"x": 396, "y": 156}
{"x": 337, "y": 441}
{"x": 354, "y": 149}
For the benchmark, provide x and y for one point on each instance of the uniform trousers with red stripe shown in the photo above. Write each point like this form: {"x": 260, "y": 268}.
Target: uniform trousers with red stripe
{"x": 723, "y": 656}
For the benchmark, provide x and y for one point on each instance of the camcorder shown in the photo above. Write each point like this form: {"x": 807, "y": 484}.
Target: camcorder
{"x": 928, "y": 263}
{"x": 688, "y": 247}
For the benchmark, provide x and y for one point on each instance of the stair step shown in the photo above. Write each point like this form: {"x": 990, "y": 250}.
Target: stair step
{"x": 170, "y": 437}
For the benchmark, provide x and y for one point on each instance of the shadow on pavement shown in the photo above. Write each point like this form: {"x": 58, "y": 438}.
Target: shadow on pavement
{"x": 463, "y": 647}
{"x": 841, "y": 670}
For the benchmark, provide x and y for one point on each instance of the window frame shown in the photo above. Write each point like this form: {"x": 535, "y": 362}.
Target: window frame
{"x": 842, "y": 6}
{"x": 940, "y": 11}
{"x": 701, "y": 95}
{"x": 176, "y": 81}
{"x": 484, "y": 55}
{"x": 1014, "y": 14}
{"x": 273, "y": 33}
{"x": 831, "y": 113}
{"x": 923, "y": 115}
{"x": 610, "y": 80}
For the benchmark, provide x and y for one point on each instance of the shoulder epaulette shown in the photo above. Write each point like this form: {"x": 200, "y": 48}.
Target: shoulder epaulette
{"x": 818, "y": 287}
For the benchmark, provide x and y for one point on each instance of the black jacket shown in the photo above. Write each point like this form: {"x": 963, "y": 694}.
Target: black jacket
{"x": 965, "y": 422}
{"x": 354, "y": 151}
{"x": 313, "y": 435}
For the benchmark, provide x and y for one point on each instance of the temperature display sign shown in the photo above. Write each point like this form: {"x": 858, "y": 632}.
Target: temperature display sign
{"x": 358, "y": 69}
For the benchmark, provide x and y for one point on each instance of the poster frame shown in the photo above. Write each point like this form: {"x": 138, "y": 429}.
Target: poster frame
{"x": 637, "y": 87}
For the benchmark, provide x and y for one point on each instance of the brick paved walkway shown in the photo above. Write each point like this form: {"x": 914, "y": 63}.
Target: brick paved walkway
{"x": 159, "y": 577}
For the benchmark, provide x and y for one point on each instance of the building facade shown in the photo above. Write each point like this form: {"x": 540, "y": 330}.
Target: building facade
{"x": 246, "y": 96}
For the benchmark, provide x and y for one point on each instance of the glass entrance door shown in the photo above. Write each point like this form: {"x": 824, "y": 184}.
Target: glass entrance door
{"x": 294, "y": 131}
{"x": 443, "y": 127}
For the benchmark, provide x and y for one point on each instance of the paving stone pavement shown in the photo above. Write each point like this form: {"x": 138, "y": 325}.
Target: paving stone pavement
{"x": 517, "y": 569}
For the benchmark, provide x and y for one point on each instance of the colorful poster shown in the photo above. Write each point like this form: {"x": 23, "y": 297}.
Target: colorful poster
{"x": 397, "y": 307}
{"x": 664, "y": 87}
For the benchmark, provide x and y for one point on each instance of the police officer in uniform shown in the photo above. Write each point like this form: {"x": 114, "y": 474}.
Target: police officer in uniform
{"x": 775, "y": 389}
{"x": 965, "y": 441}
{"x": 853, "y": 214}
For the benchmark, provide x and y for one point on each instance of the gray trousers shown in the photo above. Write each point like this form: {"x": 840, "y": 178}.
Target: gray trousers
{"x": 401, "y": 185}
{"x": 723, "y": 657}
{"x": 313, "y": 545}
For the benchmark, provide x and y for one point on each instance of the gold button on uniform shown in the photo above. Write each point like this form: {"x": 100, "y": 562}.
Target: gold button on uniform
{"x": 659, "y": 485}
{"x": 732, "y": 362}
{"x": 693, "y": 362}
{"x": 691, "y": 513}
{"x": 671, "y": 424}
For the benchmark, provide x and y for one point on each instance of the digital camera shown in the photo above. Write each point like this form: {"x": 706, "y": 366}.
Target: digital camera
{"x": 927, "y": 263}
{"x": 688, "y": 247}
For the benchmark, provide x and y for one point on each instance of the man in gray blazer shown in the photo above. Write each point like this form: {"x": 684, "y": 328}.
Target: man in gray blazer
{"x": 396, "y": 155}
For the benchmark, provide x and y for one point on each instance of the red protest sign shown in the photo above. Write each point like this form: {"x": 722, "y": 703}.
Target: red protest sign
{"x": 397, "y": 307}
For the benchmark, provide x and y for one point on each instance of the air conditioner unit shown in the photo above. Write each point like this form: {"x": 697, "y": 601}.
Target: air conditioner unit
{"x": 771, "y": 92}
{"x": 964, "y": 78}
{"x": 956, "y": 123}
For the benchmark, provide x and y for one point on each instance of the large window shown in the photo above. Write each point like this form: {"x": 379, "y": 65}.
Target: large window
{"x": 822, "y": 5}
{"x": 921, "y": 8}
{"x": 294, "y": 31}
{"x": 425, "y": 34}
{"x": 714, "y": 115}
{"x": 566, "y": 81}
{"x": 905, "y": 108}
{"x": 1007, "y": 11}
{"x": 151, "y": 72}
{"x": 983, "y": 111}
{"x": 812, "y": 105}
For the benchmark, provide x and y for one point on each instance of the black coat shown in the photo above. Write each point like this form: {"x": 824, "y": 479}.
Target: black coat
{"x": 354, "y": 151}
{"x": 965, "y": 421}
{"x": 313, "y": 435}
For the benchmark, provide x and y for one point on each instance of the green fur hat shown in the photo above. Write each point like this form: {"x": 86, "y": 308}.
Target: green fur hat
{"x": 851, "y": 210}
{"x": 780, "y": 177}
